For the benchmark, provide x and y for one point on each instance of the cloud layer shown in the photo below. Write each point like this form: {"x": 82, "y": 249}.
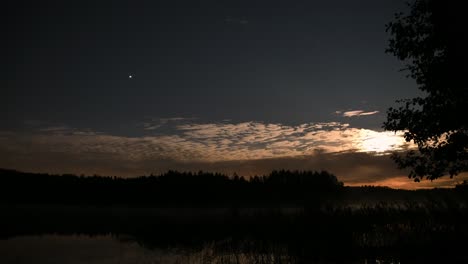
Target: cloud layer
{"x": 212, "y": 141}
{"x": 356, "y": 155}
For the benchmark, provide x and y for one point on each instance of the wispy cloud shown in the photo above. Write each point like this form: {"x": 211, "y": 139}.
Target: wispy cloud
{"x": 356, "y": 113}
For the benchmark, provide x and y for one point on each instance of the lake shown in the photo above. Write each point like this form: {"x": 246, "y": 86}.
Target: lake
{"x": 103, "y": 249}
{"x": 377, "y": 234}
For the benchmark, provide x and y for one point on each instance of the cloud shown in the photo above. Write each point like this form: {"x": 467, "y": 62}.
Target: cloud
{"x": 216, "y": 141}
{"x": 353, "y": 168}
{"x": 356, "y": 113}
{"x": 246, "y": 148}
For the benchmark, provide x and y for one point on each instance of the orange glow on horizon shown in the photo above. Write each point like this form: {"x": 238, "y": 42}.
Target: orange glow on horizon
{"x": 403, "y": 182}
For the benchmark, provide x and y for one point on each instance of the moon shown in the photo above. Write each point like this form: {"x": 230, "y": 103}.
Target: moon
{"x": 380, "y": 142}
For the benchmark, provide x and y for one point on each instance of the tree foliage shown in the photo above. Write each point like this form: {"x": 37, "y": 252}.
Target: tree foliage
{"x": 432, "y": 42}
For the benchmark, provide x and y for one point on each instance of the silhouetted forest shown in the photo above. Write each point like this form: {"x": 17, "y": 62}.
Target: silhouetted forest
{"x": 170, "y": 189}
{"x": 188, "y": 189}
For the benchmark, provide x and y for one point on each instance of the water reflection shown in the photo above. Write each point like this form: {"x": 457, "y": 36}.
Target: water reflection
{"x": 73, "y": 249}
{"x": 111, "y": 249}
{"x": 269, "y": 235}
{"x": 104, "y": 249}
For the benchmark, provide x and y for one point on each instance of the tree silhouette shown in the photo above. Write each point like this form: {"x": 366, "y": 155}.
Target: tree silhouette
{"x": 431, "y": 41}
{"x": 171, "y": 189}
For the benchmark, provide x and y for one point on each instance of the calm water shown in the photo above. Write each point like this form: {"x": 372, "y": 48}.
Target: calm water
{"x": 105, "y": 249}
{"x": 109, "y": 249}
{"x": 139, "y": 235}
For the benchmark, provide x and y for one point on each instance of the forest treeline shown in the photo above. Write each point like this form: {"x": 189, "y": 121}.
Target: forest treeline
{"x": 170, "y": 189}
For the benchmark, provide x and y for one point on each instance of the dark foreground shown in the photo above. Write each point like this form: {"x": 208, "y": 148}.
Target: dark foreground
{"x": 286, "y": 217}
{"x": 386, "y": 233}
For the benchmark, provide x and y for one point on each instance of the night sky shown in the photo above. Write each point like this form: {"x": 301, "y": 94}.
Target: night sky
{"x": 134, "y": 87}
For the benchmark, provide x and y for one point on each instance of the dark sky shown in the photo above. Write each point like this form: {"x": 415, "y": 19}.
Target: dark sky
{"x": 220, "y": 74}
{"x": 271, "y": 61}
